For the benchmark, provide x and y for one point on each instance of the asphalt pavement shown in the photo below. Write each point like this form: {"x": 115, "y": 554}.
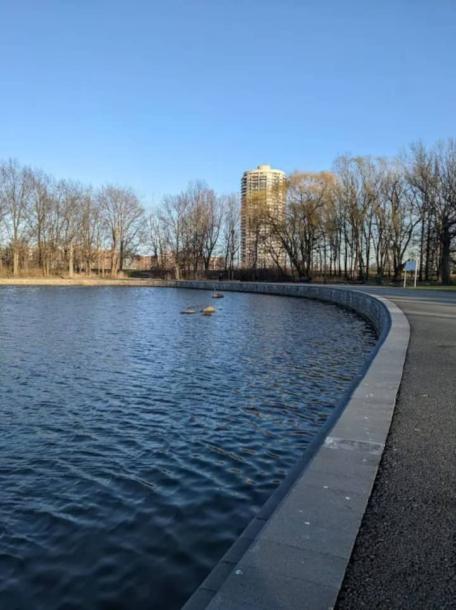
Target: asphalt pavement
{"x": 405, "y": 552}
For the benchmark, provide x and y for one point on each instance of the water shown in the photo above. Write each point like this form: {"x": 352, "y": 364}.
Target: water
{"x": 136, "y": 443}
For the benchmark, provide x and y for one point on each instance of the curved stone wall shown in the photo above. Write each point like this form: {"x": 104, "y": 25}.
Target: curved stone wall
{"x": 364, "y": 304}
{"x": 295, "y": 551}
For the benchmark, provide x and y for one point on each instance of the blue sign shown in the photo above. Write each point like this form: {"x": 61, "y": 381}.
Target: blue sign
{"x": 410, "y": 265}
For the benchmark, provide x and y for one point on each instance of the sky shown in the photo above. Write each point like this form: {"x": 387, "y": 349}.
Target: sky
{"x": 155, "y": 94}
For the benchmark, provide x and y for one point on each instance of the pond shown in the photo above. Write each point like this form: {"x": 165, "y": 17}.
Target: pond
{"x": 136, "y": 443}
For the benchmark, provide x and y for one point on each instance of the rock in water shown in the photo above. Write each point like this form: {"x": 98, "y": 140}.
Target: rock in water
{"x": 189, "y": 310}
{"x": 208, "y": 311}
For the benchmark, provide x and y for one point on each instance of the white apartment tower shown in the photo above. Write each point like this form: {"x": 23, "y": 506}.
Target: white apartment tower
{"x": 262, "y": 198}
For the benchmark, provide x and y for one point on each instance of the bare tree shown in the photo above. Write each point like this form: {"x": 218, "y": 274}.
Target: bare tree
{"x": 155, "y": 238}
{"x": 15, "y": 189}
{"x": 369, "y": 214}
{"x": 173, "y": 219}
{"x": 40, "y": 218}
{"x": 403, "y": 214}
{"x": 433, "y": 174}
{"x": 122, "y": 214}
{"x": 231, "y": 233}
{"x": 69, "y": 197}
{"x": 210, "y": 214}
{"x": 446, "y": 207}
{"x": 301, "y": 230}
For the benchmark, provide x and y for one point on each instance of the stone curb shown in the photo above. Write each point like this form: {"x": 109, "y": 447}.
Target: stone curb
{"x": 294, "y": 553}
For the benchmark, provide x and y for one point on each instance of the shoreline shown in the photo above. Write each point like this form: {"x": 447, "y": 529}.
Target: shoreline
{"x": 150, "y": 282}
{"x": 312, "y": 519}
{"x": 83, "y": 281}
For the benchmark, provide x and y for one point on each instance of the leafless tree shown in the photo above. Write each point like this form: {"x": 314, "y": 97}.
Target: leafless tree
{"x": 155, "y": 240}
{"x": 15, "y": 189}
{"x": 122, "y": 215}
{"x": 231, "y": 233}
{"x": 300, "y": 232}
{"x": 364, "y": 218}
{"x": 173, "y": 219}
{"x": 432, "y": 173}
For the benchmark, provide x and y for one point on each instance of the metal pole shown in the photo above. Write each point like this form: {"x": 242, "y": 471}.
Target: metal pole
{"x": 416, "y": 272}
{"x": 405, "y": 278}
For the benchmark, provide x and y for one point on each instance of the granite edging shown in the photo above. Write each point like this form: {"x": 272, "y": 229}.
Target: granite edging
{"x": 294, "y": 553}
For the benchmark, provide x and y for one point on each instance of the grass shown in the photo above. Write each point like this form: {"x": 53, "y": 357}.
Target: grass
{"x": 445, "y": 288}
{"x": 76, "y": 281}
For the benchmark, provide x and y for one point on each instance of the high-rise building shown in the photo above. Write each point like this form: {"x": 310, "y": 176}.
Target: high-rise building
{"x": 262, "y": 203}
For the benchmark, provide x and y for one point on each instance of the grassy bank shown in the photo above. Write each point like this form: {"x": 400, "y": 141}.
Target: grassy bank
{"x": 444, "y": 288}
{"x": 129, "y": 281}
{"x": 76, "y": 281}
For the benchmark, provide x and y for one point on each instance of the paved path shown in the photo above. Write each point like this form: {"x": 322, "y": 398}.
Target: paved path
{"x": 405, "y": 554}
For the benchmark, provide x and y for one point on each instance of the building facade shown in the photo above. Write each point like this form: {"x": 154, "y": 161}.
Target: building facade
{"x": 262, "y": 204}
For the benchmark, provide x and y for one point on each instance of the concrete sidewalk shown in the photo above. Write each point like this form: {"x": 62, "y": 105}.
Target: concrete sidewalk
{"x": 405, "y": 553}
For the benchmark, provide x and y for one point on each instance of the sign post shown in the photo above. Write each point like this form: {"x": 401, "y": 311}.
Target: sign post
{"x": 410, "y": 266}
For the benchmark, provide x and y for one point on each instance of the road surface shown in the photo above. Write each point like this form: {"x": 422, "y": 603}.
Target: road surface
{"x": 405, "y": 553}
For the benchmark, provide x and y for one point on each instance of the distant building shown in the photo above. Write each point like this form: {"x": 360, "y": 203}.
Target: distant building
{"x": 139, "y": 262}
{"x": 262, "y": 200}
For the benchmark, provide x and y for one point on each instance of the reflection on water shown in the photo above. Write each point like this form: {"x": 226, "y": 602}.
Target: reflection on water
{"x": 136, "y": 443}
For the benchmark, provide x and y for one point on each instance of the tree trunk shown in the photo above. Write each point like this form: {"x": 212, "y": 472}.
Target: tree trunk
{"x": 15, "y": 260}
{"x": 428, "y": 250}
{"x": 446, "y": 253}
{"x": 114, "y": 261}
{"x": 121, "y": 255}
{"x": 423, "y": 228}
{"x": 71, "y": 261}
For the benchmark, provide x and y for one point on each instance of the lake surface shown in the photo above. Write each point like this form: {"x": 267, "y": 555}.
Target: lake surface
{"x": 136, "y": 443}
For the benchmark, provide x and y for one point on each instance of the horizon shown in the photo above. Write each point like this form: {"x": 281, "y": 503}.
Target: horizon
{"x": 137, "y": 102}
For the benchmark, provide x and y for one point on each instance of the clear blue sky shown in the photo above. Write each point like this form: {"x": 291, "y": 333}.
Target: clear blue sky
{"x": 154, "y": 94}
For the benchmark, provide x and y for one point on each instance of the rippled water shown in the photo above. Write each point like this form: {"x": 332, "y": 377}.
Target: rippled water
{"x": 136, "y": 443}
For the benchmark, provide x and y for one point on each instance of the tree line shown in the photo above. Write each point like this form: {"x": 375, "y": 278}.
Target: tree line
{"x": 360, "y": 221}
{"x": 58, "y": 227}
{"x": 62, "y": 226}
{"x": 364, "y": 219}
